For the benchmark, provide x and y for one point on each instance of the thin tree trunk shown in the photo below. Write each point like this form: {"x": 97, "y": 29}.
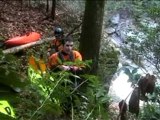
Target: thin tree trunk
{"x": 53, "y": 11}
{"x": 21, "y": 4}
{"x": 29, "y": 3}
{"x": 47, "y": 8}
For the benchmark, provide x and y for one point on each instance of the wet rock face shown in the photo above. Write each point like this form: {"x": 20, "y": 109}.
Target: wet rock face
{"x": 115, "y": 19}
{"x": 119, "y": 26}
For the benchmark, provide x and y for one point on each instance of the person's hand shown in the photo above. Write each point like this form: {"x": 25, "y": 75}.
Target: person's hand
{"x": 75, "y": 68}
{"x": 64, "y": 67}
{"x": 71, "y": 68}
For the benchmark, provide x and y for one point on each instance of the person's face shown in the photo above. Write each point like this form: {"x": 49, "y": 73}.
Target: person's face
{"x": 58, "y": 37}
{"x": 68, "y": 46}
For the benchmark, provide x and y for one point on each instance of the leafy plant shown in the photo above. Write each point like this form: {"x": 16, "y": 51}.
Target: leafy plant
{"x": 83, "y": 96}
{"x": 11, "y": 83}
{"x": 150, "y": 111}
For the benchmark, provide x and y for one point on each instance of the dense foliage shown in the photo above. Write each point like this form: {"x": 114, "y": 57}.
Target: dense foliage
{"x": 76, "y": 102}
{"x": 43, "y": 98}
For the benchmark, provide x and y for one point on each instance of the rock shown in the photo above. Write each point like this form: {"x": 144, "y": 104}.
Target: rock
{"x": 115, "y": 19}
{"x": 110, "y": 30}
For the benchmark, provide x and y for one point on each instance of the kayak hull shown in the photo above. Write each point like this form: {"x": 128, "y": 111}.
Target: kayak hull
{"x": 20, "y": 40}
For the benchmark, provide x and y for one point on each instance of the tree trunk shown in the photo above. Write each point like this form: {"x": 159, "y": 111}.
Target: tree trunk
{"x": 21, "y": 4}
{"x": 47, "y": 8}
{"x": 91, "y": 31}
{"x": 29, "y": 3}
{"x": 53, "y": 11}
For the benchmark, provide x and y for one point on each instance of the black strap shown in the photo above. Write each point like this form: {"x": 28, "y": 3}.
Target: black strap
{"x": 61, "y": 56}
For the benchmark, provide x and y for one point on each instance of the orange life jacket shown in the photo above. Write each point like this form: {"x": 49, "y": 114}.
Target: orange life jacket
{"x": 63, "y": 58}
{"x": 57, "y": 45}
{"x": 55, "y": 58}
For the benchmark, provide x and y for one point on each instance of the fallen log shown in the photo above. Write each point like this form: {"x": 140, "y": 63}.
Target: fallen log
{"x": 18, "y": 48}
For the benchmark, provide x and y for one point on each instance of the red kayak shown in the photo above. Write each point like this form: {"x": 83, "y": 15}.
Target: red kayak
{"x": 20, "y": 40}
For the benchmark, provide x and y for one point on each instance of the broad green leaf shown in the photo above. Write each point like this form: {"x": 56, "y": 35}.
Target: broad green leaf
{"x": 7, "y": 110}
{"x": 12, "y": 78}
{"x": 6, "y": 117}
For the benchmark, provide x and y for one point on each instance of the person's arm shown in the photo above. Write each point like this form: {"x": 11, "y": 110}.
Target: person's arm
{"x": 64, "y": 67}
{"x": 52, "y": 61}
{"x": 53, "y": 64}
{"x": 77, "y": 56}
{"x": 69, "y": 68}
{"x": 75, "y": 68}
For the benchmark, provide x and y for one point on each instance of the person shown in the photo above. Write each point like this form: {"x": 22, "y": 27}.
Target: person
{"x": 67, "y": 54}
{"x": 56, "y": 44}
{"x": 58, "y": 61}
